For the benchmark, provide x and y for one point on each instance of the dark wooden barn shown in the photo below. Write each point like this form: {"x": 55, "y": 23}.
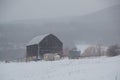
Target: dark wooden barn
{"x": 43, "y": 44}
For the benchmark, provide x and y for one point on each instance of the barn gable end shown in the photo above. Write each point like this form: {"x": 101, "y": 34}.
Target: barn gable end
{"x": 43, "y": 44}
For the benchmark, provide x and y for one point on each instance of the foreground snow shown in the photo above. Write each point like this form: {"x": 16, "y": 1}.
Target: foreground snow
{"x": 83, "y": 69}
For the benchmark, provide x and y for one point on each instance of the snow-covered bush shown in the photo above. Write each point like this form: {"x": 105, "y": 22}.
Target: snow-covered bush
{"x": 57, "y": 57}
{"x": 51, "y": 57}
{"x": 31, "y": 58}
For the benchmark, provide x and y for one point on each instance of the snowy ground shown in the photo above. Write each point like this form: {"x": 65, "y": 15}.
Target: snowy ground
{"x": 83, "y": 69}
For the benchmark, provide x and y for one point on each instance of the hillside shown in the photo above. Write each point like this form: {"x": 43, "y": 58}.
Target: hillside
{"x": 83, "y": 69}
{"x": 99, "y": 27}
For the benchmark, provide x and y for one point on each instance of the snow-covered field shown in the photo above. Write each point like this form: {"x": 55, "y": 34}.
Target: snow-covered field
{"x": 102, "y": 68}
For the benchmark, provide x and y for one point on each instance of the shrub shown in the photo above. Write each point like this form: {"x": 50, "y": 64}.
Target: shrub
{"x": 113, "y": 50}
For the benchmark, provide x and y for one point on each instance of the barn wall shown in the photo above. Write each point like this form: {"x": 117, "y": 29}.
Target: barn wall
{"x": 51, "y": 44}
{"x": 32, "y": 51}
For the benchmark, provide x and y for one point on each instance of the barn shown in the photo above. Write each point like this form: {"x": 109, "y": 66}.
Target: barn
{"x": 43, "y": 44}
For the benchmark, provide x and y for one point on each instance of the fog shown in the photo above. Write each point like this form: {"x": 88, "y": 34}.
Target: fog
{"x": 28, "y": 9}
{"x": 72, "y": 21}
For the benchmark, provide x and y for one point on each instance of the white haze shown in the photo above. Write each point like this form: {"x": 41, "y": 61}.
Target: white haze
{"x": 11, "y": 10}
{"x": 72, "y": 21}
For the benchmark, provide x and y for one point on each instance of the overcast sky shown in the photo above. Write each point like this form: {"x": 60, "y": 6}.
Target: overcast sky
{"x": 11, "y": 10}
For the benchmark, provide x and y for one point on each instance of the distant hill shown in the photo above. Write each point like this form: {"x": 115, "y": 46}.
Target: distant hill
{"x": 99, "y": 27}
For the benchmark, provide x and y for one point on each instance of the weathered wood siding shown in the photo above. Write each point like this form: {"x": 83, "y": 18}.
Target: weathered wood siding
{"x": 50, "y": 44}
{"x": 32, "y": 50}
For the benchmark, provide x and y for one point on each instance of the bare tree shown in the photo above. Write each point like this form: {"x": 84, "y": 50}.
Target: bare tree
{"x": 94, "y": 50}
{"x": 113, "y": 50}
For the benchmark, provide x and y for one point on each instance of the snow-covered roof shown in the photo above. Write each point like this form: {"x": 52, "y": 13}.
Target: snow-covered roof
{"x": 37, "y": 39}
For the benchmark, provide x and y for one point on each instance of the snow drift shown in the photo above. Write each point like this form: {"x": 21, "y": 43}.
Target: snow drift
{"x": 102, "y": 68}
